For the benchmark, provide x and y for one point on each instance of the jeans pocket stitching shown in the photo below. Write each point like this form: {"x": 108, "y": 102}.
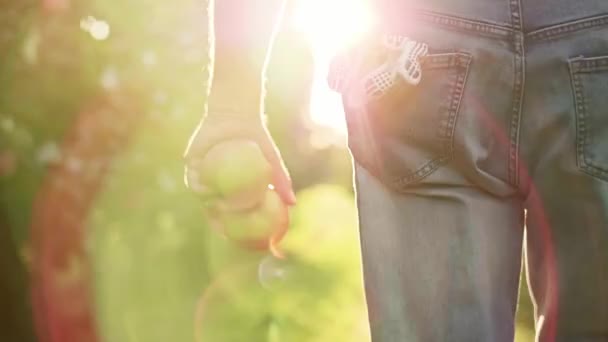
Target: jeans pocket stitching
{"x": 462, "y": 61}
{"x": 578, "y": 66}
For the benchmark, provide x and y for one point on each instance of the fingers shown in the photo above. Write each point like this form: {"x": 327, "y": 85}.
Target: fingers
{"x": 280, "y": 176}
{"x": 194, "y": 180}
{"x": 207, "y": 136}
{"x": 193, "y": 157}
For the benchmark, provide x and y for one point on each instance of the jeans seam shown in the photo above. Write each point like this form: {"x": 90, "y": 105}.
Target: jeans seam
{"x": 516, "y": 19}
{"x": 589, "y": 65}
{"x": 563, "y": 29}
{"x": 579, "y": 118}
{"x": 464, "y": 24}
{"x": 457, "y": 101}
{"x": 519, "y": 61}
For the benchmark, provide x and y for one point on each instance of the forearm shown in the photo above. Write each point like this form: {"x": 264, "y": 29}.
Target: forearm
{"x": 241, "y": 32}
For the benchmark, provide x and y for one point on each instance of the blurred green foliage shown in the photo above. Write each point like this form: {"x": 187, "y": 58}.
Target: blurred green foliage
{"x": 160, "y": 274}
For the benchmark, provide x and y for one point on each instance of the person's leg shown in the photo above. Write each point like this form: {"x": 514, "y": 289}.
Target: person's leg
{"x": 565, "y": 128}
{"x": 440, "y": 211}
{"x": 567, "y": 258}
{"x": 440, "y": 263}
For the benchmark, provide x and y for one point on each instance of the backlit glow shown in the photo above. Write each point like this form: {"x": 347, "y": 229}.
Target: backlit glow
{"x": 329, "y": 25}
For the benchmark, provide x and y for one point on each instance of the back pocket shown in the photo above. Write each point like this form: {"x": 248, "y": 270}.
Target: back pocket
{"x": 590, "y": 85}
{"x": 407, "y": 135}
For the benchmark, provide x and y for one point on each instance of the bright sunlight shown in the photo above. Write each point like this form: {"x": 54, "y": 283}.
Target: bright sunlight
{"x": 330, "y": 24}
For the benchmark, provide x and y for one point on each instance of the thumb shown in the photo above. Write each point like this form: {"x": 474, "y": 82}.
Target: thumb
{"x": 280, "y": 177}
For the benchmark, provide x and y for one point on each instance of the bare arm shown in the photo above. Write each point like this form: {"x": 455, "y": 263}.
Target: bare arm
{"x": 242, "y": 33}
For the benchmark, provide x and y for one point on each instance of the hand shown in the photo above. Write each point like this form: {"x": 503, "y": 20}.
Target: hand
{"x": 217, "y": 128}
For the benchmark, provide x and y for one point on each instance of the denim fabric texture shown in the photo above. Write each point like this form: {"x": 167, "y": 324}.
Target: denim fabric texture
{"x": 498, "y": 156}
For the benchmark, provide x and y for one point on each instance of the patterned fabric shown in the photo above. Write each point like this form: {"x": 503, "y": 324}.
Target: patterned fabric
{"x": 366, "y": 72}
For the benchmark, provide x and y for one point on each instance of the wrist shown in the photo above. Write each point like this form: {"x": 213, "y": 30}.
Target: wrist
{"x": 234, "y": 104}
{"x": 236, "y": 93}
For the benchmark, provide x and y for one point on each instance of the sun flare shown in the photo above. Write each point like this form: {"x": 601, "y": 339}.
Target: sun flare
{"x": 329, "y": 25}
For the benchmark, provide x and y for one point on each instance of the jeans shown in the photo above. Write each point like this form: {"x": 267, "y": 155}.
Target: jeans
{"x": 500, "y": 150}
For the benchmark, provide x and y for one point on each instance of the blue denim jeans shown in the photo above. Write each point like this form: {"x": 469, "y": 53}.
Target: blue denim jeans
{"x": 501, "y": 148}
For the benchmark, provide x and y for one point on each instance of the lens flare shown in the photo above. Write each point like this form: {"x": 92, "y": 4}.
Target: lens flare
{"x": 329, "y": 25}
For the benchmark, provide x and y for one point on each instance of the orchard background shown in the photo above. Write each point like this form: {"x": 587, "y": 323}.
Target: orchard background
{"x": 101, "y": 239}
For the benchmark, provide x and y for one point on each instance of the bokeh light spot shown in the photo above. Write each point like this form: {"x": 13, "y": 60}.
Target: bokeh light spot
{"x": 7, "y": 124}
{"x": 148, "y": 58}
{"x": 98, "y": 29}
{"x": 109, "y": 78}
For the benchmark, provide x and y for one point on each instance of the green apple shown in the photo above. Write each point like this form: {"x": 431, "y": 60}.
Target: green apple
{"x": 238, "y": 172}
{"x": 258, "y": 227}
